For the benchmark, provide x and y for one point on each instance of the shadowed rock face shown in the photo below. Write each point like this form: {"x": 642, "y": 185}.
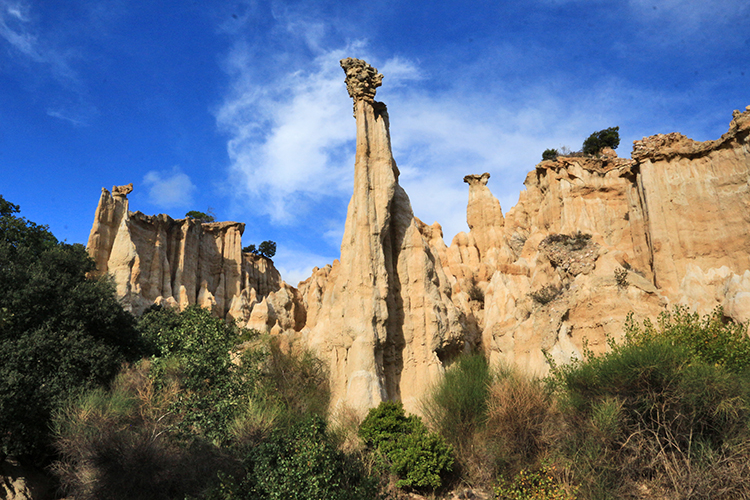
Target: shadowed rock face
{"x": 590, "y": 240}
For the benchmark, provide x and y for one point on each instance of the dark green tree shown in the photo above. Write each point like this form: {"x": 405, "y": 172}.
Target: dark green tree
{"x": 607, "y": 138}
{"x": 267, "y": 249}
{"x": 550, "y": 154}
{"x": 60, "y": 332}
{"x": 200, "y": 216}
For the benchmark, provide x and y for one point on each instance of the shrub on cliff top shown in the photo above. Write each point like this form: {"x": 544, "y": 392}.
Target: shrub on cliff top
{"x": 607, "y": 138}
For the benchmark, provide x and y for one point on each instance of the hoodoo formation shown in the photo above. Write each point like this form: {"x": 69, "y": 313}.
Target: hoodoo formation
{"x": 591, "y": 239}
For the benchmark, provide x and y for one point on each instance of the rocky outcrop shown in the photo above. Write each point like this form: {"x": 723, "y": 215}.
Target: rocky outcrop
{"x": 24, "y": 482}
{"x": 381, "y": 316}
{"x": 591, "y": 240}
{"x": 159, "y": 260}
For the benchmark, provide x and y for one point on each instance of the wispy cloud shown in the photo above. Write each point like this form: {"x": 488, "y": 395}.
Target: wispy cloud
{"x": 169, "y": 189}
{"x": 18, "y": 29}
{"x": 291, "y": 139}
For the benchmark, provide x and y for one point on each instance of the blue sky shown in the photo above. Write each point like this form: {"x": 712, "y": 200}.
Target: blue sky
{"x": 240, "y": 106}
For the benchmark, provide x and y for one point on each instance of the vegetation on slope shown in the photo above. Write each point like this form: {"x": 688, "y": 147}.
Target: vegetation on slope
{"x": 183, "y": 405}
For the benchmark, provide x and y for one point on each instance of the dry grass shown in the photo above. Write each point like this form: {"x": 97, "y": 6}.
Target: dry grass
{"x": 521, "y": 422}
{"x": 117, "y": 445}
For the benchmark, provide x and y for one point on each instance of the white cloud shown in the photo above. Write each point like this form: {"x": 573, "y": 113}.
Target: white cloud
{"x": 291, "y": 139}
{"x": 169, "y": 189}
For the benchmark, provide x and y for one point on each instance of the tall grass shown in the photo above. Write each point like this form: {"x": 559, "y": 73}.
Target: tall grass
{"x": 115, "y": 444}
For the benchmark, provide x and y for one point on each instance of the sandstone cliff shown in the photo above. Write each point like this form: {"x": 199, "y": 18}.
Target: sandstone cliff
{"x": 159, "y": 260}
{"x": 590, "y": 240}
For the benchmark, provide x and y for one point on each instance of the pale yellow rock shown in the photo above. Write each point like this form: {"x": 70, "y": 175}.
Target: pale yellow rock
{"x": 176, "y": 262}
{"x": 385, "y": 314}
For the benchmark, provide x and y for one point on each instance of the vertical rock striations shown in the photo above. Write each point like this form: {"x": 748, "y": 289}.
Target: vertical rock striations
{"x": 385, "y": 315}
{"x": 159, "y": 260}
{"x": 591, "y": 239}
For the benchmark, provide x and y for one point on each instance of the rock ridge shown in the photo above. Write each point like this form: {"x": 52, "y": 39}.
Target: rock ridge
{"x": 591, "y": 240}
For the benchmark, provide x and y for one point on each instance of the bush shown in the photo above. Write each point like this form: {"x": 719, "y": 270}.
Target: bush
{"x": 522, "y": 420}
{"x": 550, "y": 154}
{"x": 546, "y": 294}
{"x": 710, "y": 338}
{"x": 197, "y": 349}
{"x": 653, "y": 410}
{"x": 299, "y": 464}
{"x": 607, "y": 138}
{"x": 298, "y": 383}
{"x": 419, "y": 458}
{"x": 60, "y": 332}
{"x": 539, "y": 484}
{"x": 200, "y": 216}
{"x": 457, "y": 406}
{"x": 117, "y": 444}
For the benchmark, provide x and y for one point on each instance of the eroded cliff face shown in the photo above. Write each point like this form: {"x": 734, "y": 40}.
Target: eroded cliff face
{"x": 382, "y": 315}
{"x": 590, "y": 240}
{"x": 159, "y": 260}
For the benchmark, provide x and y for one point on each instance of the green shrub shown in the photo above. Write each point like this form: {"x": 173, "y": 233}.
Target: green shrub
{"x": 298, "y": 383}
{"x": 607, "y": 138}
{"x": 60, "y": 332}
{"x": 657, "y": 410}
{"x": 200, "y": 216}
{"x": 710, "y": 337}
{"x": 197, "y": 349}
{"x": 540, "y": 484}
{"x": 299, "y": 463}
{"x": 457, "y": 406}
{"x": 550, "y": 154}
{"x": 117, "y": 444}
{"x": 419, "y": 458}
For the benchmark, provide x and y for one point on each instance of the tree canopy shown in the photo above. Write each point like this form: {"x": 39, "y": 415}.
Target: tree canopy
{"x": 607, "y": 138}
{"x": 60, "y": 332}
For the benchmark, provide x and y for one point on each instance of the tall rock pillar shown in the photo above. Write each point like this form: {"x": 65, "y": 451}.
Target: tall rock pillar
{"x": 385, "y": 314}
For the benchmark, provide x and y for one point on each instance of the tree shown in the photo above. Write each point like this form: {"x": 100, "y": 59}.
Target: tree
{"x": 60, "y": 332}
{"x": 550, "y": 154}
{"x": 200, "y": 216}
{"x": 607, "y": 138}
{"x": 267, "y": 249}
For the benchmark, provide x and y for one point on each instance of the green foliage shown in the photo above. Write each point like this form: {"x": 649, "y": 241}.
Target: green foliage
{"x": 116, "y": 444}
{"x": 540, "y": 484}
{"x": 661, "y": 406}
{"x": 296, "y": 383}
{"x": 267, "y": 249}
{"x": 61, "y": 331}
{"x": 200, "y": 216}
{"x": 457, "y": 407}
{"x": 621, "y": 277}
{"x": 710, "y": 338}
{"x": 419, "y": 458}
{"x": 302, "y": 464}
{"x": 607, "y": 138}
{"x": 196, "y": 348}
{"x": 550, "y": 154}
